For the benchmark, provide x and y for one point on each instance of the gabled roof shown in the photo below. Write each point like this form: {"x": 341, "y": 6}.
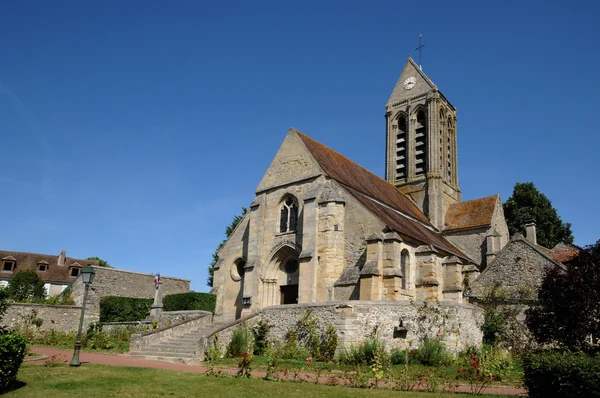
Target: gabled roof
{"x": 471, "y": 213}
{"x": 54, "y": 273}
{"x": 381, "y": 198}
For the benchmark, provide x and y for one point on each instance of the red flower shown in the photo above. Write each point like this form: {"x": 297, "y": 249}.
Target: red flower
{"x": 245, "y": 355}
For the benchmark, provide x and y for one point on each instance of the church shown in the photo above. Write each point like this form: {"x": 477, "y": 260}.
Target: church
{"x": 323, "y": 229}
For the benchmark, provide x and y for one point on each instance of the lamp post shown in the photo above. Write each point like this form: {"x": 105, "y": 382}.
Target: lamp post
{"x": 87, "y": 275}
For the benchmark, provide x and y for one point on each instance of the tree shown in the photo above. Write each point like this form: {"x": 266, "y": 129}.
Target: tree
{"x": 568, "y": 312}
{"x": 26, "y": 285}
{"x": 215, "y": 258}
{"x": 527, "y": 203}
{"x": 101, "y": 262}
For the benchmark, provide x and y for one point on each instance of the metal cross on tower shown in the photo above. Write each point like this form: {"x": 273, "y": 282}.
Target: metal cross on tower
{"x": 419, "y": 49}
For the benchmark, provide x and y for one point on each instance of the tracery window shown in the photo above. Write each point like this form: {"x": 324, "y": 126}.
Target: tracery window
{"x": 288, "y": 216}
{"x": 449, "y": 148}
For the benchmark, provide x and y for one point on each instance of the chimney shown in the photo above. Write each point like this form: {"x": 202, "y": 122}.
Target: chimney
{"x": 530, "y": 232}
{"x": 61, "y": 258}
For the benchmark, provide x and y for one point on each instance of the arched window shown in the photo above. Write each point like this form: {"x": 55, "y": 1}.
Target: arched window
{"x": 401, "y": 148}
{"x": 421, "y": 144}
{"x": 449, "y": 148}
{"x": 404, "y": 267}
{"x": 289, "y": 215}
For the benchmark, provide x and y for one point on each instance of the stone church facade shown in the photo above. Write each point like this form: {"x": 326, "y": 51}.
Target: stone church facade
{"x": 323, "y": 229}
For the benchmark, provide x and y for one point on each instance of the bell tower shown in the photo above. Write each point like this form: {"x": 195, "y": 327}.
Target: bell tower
{"x": 421, "y": 159}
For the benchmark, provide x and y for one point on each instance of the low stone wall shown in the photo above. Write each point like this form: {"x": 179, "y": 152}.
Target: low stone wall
{"x": 62, "y": 318}
{"x": 140, "y": 341}
{"x": 399, "y": 324}
{"x": 165, "y": 319}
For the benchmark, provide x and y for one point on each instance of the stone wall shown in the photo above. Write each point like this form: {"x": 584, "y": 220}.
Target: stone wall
{"x": 163, "y": 320}
{"x": 62, "y": 318}
{"x": 399, "y": 324}
{"x": 519, "y": 268}
{"x": 115, "y": 282}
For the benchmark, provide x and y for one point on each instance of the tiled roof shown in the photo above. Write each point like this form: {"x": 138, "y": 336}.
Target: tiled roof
{"x": 470, "y": 214}
{"x": 347, "y": 172}
{"x": 54, "y": 273}
{"x": 564, "y": 252}
{"x": 380, "y": 197}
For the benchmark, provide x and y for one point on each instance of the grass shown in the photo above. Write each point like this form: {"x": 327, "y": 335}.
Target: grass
{"x": 513, "y": 378}
{"x": 113, "y": 381}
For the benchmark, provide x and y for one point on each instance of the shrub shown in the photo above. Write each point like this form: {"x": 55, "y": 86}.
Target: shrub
{"x": 124, "y": 309}
{"x": 240, "y": 342}
{"x": 12, "y": 352}
{"x": 432, "y": 352}
{"x": 562, "y": 374}
{"x": 330, "y": 343}
{"x": 364, "y": 353}
{"x": 260, "y": 337}
{"x": 399, "y": 357}
{"x": 291, "y": 349}
{"x": 190, "y": 301}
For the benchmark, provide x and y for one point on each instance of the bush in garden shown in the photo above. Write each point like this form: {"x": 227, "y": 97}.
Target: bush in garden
{"x": 240, "y": 343}
{"x": 190, "y": 301}
{"x": 260, "y": 337}
{"x": 12, "y": 352}
{"x": 432, "y": 352}
{"x": 364, "y": 353}
{"x": 330, "y": 343}
{"x": 124, "y": 309}
{"x": 562, "y": 374}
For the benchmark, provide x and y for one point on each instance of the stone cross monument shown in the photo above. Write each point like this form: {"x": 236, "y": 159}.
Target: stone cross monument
{"x": 157, "y": 305}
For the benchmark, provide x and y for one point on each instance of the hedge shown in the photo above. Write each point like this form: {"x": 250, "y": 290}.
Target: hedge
{"x": 12, "y": 352}
{"x": 562, "y": 374}
{"x": 124, "y": 309}
{"x": 190, "y": 301}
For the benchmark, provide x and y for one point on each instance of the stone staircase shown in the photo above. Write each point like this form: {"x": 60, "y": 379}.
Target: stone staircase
{"x": 177, "y": 347}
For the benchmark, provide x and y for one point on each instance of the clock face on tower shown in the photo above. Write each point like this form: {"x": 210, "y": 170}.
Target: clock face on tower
{"x": 409, "y": 82}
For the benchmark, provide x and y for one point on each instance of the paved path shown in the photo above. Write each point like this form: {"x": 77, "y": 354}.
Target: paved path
{"x": 126, "y": 360}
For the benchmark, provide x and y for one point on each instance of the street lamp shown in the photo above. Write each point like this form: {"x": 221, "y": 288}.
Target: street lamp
{"x": 87, "y": 275}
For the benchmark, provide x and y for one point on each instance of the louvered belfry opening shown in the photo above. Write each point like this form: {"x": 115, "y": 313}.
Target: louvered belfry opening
{"x": 449, "y": 149}
{"x": 401, "y": 149}
{"x": 421, "y": 144}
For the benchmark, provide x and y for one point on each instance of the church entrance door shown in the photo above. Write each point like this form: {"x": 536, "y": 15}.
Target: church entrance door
{"x": 289, "y": 294}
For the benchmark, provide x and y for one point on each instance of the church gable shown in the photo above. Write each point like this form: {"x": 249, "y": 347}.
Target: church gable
{"x": 292, "y": 163}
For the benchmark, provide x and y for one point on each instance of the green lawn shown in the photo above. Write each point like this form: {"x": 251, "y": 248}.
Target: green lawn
{"x": 112, "y": 381}
{"x": 513, "y": 376}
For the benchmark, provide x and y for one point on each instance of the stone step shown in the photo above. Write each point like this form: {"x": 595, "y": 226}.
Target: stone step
{"x": 162, "y": 354}
{"x": 187, "y": 361}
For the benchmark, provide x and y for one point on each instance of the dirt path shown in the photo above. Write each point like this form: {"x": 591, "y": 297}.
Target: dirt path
{"x": 125, "y": 360}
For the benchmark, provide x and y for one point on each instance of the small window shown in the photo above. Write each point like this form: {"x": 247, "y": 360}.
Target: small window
{"x": 75, "y": 272}
{"x": 42, "y": 266}
{"x": 238, "y": 270}
{"x": 288, "y": 215}
{"x": 8, "y": 266}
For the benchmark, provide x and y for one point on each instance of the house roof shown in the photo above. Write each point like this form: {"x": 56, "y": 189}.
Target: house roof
{"x": 564, "y": 252}
{"x": 54, "y": 272}
{"x": 471, "y": 213}
{"x": 384, "y": 200}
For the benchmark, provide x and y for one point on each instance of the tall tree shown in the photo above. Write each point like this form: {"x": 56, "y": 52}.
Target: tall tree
{"x": 215, "y": 258}
{"x": 568, "y": 312}
{"x": 26, "y": 285}
{"x": 101, "y": 262}
{"x": 527, "y": 203}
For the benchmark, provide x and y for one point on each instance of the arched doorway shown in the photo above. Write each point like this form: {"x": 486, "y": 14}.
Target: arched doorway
{"x": 279, "y": 282}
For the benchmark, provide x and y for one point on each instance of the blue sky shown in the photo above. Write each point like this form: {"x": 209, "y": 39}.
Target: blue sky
{"x": 134, "y": 131}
